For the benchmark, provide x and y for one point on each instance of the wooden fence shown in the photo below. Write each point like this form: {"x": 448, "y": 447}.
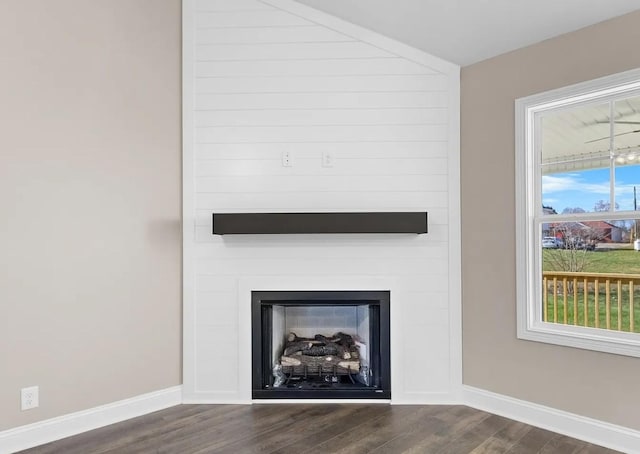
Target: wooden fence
{"x": 598, "y": 300}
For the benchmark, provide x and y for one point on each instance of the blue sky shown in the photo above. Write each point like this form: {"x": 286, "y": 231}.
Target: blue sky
{"x": 584, "y": 188}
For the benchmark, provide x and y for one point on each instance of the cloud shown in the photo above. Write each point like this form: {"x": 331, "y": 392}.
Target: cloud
{"x": 625, "y": 204}
{"x": 624, "y": 189}
{"x": 556, "y": 184}
{"x": 585, "y": 189}
{"x": 572, "y": 182}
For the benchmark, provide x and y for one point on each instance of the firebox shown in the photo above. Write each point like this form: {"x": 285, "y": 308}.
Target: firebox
{"x": 321, "y": 345}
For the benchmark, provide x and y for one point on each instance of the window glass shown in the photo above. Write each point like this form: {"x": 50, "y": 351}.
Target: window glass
{"x": 575, "y": 159}
{"x": 591, "y": 274}
{"x": 627, "y": 187}
{"x": 626, "y": 151}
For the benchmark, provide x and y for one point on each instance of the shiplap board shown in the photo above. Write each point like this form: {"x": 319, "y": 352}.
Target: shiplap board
{"x": 212, "y": 337}
{"x": 322, "y": 201}
{"x": 303, "y": 67}
{"x": 223, "y": 313}
{"x": 326, "y": 100}
{"x": 314, "y": 266}
{"x": 437, "y": 233}
{"x": 415, "y": 338}
{"x": 235, "y": 5}
{"x": 412, "y": 286}
{"x": 309, "y": 167}
{"x": 364, "y": 152}
{"x": 287, "y": 51}
{"x": 313, "y": 117}
{"x": 232, "y": 19}
{"x": 310, "y": 84}
{"x": 209, "y": 375}
{"x": 307, "y": 248}
{"x": 263, "y": 35}
{"x": 211, "y": 284}
{"x": 324, "y": 183}
{"x": 268, "y": 81}
{"x": 319, "y": 134}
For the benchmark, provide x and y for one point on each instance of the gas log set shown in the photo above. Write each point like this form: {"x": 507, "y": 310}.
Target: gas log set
{"x": 321, "y": 355}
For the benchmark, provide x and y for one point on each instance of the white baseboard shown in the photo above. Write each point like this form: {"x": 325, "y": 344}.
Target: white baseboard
{"x": 591, "y": 430}
{"x": 49, "y": 430}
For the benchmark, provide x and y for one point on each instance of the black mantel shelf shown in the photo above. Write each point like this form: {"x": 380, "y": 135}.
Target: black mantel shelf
{"x": 281, "y": 223}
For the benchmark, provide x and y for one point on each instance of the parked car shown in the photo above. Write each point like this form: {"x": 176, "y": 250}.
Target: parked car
{"x": 549, "y": 242}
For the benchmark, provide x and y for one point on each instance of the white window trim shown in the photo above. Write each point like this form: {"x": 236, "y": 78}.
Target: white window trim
{"x": 528, "y": 267}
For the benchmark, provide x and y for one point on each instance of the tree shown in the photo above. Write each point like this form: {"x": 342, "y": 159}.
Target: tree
{"x": 570, "y": 210}
{"x": 572, "y": 257}
{"x": 601, "y": 205}
{"x": 578, "y": 240}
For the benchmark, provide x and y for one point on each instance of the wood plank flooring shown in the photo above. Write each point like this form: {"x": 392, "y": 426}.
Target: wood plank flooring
{"x": 319, "y": 428}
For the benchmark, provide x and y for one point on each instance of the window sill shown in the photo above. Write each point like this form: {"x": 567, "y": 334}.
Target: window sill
{"x": 600, "y": 340}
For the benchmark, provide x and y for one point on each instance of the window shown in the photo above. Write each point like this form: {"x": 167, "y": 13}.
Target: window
{"x": 578, "y": 224}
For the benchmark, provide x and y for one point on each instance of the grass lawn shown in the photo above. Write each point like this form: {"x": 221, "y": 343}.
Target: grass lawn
{"x": 602, "y": 312}
{"x": 611, "y": 261}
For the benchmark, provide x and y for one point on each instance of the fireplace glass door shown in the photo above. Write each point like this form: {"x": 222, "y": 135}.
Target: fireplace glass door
{"x": 321, "y": 345}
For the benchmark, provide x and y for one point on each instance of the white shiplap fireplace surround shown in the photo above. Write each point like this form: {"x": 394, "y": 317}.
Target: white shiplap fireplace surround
{"x": 263, "y": 78}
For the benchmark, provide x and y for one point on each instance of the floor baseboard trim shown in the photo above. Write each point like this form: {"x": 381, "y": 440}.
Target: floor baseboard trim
{"x": 49, "y": 430}
{"x": 591, "y": 430}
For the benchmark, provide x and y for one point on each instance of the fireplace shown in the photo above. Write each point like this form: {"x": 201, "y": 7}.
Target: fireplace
{"x": 320, "y": 345}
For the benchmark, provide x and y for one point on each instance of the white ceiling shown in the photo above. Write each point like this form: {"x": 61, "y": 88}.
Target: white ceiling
{"x": 579, "y": 138}
{"x": 468, "y": 31}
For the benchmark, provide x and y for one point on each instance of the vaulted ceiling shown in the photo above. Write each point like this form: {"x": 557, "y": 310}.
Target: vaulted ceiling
{"x": 468, "y": 31}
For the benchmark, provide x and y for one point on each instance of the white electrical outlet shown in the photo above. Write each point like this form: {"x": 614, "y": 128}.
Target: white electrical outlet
{"x": 287, "y": 159}
{"x": 29, "y": 397}
{"x": 328, "y": 159}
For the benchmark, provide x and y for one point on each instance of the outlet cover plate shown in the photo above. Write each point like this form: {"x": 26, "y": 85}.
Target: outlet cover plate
{"x": 29, "y": 397}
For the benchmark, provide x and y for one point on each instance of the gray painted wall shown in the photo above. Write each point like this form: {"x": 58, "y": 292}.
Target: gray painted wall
{"x": 90, "y": 152}
{"x": 598, "y": 385}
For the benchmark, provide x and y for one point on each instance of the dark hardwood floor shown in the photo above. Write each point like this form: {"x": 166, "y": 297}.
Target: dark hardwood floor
{"x": 319, "y": 428}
